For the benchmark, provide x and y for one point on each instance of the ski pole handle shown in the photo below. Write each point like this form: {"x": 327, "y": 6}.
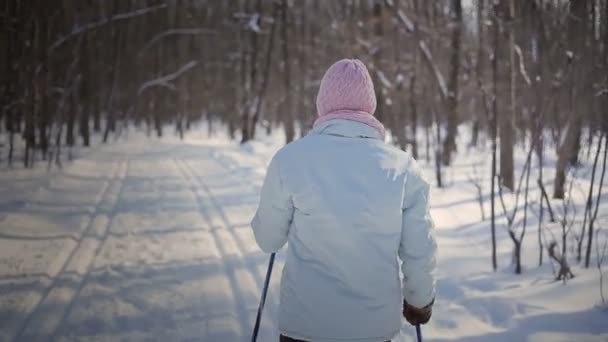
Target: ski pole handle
{"x": 256, "y": 327}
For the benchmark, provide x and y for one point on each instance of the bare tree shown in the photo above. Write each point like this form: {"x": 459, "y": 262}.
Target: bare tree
{"x": 510, "y": 215}
{"x": 564, "y": 273}
{"x": 566, "y": 222}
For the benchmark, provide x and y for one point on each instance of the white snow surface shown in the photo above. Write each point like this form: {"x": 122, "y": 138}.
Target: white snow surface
{"x": 149, "y": 240}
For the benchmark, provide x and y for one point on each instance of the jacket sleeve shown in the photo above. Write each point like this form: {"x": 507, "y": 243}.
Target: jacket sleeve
{"x": 275, "y": 212}
{"x": 418, "y": 248}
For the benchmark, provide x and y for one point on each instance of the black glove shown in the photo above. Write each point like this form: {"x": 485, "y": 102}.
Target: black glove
{"x": 416, "y": 315}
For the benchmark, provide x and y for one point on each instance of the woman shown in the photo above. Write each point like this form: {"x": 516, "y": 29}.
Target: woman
{"x": 349, "y": 205}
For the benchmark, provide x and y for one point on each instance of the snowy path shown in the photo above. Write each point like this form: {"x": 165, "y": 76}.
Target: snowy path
{"x": 134, "y": 243}
{"x": 151, "y": 241}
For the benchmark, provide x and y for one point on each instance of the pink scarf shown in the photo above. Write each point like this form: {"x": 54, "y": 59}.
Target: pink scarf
{"x": 353, "y": 115}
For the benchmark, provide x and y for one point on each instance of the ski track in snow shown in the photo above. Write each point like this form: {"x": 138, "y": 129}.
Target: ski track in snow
{"x": 67, "y": 284}
{"x": 150, "y": 240}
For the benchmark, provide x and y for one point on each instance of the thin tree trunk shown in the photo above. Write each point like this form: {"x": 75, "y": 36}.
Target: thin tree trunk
{"x": 11, "y": 138}
{"x": 536, "y": 57}
{"x": 288, "y": 117}
{"x": 437, "y": 150}
{"x": 479, "y": 68}
{"x": 526, "y": 191}
{"x": 247, "y": 124}
{"x": 569, "y": 148}
{"x": 264, "y": 85}
{"x": 86, "y": 93}
{"x": 413, "y": 86}
{"x": 42, "y": 84}
{"x": 540, "y": 228}
{"x": 449, "y": 144}
{"x": 589, "y": 201}
{"x": 593, "y": 218}
{"x": 414, "y": 110}
{"x": 111, "y": 116}
{"x": 494, "y": 123}
{"x": 506, "y": 130}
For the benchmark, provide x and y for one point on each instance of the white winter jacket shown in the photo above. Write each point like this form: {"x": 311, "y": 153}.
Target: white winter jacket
{"x": 350, "y": 206}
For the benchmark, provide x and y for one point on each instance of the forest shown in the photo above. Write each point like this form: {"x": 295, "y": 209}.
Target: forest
{"x": 512, "y": 75}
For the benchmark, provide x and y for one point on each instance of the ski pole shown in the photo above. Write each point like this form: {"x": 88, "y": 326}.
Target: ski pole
{"x": 256, "y": 327}
{"x": 418, "y": 333}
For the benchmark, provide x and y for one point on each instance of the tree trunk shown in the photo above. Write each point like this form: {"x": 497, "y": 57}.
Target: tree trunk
{"x": 449, "y": 144}
{"x": 11, "y": 138}
{"x": 438, "y": 172}
{"x": 71, "y": 118}
{"x": 538, "y": 110}
{"x": 378, "y": 38}
{"x": 110, "y": 107}
{"x": 287, "y": 114}
{"x": 42, "y": 83}
{"x": 250, "y": 100}
{"x": 516, "y": 252}
{"x": 569, "y": 148}
{"x": 85, "y": 91}
{"x": 506, "y": 130}
{"x": 593, "y": 216}
{"x": 526, "y": 192}
{"x": 541, "y": 207}
{"x": 494, "y": 133}
{"x": 414, "y": 110}
{"x": 479, "y": 70}
{"x": 266, "y": 75}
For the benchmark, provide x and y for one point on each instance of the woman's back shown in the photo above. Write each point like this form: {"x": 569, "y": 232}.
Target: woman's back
{"x": 349, "y": 205}
{"x": 341, "y": 269}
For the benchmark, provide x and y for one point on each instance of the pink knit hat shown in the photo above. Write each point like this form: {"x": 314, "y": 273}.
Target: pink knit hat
{"x": 347, "y": 92}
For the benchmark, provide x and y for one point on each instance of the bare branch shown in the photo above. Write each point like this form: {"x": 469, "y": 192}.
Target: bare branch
{"x": 77, "y": 30}
{"x": 511, "y": 218}
{"x": 544, "y": 194}
{"x": 504, "y": 207}
{"x": 477, "y": 184}
{"x": 403, "y": 19}
{"x": 522, "y": 66}
{"x": 165, "y": 81}
{"x": 173, "y": 32}
{"x": 428, "y": 57}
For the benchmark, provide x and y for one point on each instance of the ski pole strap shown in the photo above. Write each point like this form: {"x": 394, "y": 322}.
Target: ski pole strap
{"x": 418, "y": 333}
{"x": 256, "y": 327}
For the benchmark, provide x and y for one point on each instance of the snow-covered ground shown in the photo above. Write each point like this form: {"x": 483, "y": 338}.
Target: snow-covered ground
{"x": 149, "y": 239}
